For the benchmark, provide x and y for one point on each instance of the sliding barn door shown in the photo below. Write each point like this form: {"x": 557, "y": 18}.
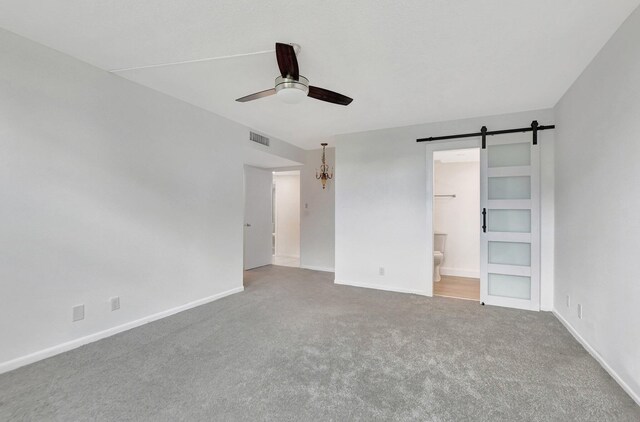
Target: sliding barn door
{"x": 510, "y": 222}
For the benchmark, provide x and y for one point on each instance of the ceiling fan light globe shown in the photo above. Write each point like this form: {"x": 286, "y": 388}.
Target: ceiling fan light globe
{"x": 292, "y": 91}
{"x": 291, "y": 95}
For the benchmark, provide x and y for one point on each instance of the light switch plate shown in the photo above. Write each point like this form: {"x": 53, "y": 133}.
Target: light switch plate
{"x": 115, "y": 303}
{"x": 78, "y": 313}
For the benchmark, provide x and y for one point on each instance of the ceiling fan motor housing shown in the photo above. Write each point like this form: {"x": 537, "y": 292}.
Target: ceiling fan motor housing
{"x": 291, "y": 90}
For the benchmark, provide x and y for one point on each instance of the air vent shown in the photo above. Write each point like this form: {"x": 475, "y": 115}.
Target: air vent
{"x": 259, "y": 138}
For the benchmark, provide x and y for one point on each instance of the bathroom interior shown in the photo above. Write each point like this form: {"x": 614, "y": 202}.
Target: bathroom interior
{"x": 456, "y": 206}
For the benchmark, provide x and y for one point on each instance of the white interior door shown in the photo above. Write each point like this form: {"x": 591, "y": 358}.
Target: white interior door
{"x": 510, "y": 233}
{"x": 257, "y": 217}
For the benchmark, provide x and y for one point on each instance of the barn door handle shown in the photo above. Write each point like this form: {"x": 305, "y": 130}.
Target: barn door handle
{"x": 484, "y": 220}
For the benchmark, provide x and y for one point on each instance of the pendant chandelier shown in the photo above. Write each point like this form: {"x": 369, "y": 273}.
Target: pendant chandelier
{"x": 323, "y": 175}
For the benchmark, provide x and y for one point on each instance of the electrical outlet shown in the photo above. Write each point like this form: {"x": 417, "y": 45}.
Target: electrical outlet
{"x": 568, "y": 301}
{"x": 381, "y": 271}
{"x": 579, "y": 311}
{"x": 78, "y": 313}
{"x": 115, "y": 303}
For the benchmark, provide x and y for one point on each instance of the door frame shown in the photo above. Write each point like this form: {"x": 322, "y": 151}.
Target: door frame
{"x": 297, "y": 173}
{"x": 445, "y": 145}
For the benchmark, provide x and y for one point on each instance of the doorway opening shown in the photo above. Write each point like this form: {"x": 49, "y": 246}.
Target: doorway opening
{"x": 456, "y": 235}
{"x": 285, "y": 222}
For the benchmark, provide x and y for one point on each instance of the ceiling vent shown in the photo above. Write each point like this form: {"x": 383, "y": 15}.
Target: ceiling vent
{"x": 263, "y": 140}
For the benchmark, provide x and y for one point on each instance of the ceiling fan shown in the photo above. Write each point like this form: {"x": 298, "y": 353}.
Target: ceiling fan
{"x": 292, "y": 87}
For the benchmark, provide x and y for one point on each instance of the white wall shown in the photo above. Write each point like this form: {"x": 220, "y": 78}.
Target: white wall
{"x": 597, "y": 203}
{"x": 317, "y": 222}
{"x": 108, "y": 189}
{"x": 287, "y": 213}
{"x": 383, "y": 202}
{"x": 291, "y": 154}
{"x": 458, "y": 217}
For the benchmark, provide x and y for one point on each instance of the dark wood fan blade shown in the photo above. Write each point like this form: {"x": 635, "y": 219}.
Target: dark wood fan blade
{"x": 287, "y": 61}
{"x": 328, "y": 96}
{"x": 257, "y": 95}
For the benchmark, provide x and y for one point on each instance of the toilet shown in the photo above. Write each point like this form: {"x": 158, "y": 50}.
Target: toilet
{"x": 438, "y": 253}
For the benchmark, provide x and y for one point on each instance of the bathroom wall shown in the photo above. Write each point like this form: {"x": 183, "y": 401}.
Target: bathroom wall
{"x": 458, "y": 217}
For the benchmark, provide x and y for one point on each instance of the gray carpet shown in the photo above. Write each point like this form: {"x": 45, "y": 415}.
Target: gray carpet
{"x": 295, "y": 347}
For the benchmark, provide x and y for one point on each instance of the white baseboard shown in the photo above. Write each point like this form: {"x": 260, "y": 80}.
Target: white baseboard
{"x": 634, "y": 394}
{"x": 314, "y": 268}
{"x": 73, "y": 344}
{"x": 460, "y": 272}
{"x": 379, "y": 287}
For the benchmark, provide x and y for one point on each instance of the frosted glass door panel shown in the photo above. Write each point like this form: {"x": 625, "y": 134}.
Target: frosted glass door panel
{"x": 518, "y": 221}
{"x": 512, "y": 187}
{"x": 510, "y": 253}
{"x": 513, "y": 286}
{"x": 510, "y": 229}
{"x": 509, "y": 155}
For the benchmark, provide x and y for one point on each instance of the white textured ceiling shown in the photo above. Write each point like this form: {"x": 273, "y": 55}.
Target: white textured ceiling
{"x": 403, "y": 62}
